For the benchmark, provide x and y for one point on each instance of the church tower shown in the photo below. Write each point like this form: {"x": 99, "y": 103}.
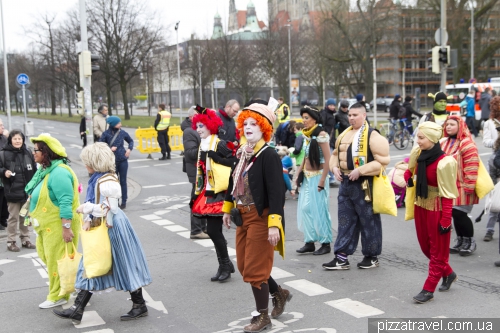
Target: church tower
{"x": 217, "y": 33}
{"x": 232, "y": 24}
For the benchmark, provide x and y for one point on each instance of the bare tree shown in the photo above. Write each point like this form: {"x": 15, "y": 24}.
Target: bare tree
{"x": 124, "y": 36}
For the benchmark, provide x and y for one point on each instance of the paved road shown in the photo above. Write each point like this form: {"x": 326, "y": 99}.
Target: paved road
{"x": 182, "y": 298}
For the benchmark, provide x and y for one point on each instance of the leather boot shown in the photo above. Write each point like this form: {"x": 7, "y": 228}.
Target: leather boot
{"x": 164, "y": 157}
{"x": 75, "y": 312}
{"x": 216, "y": 276}
{"x": 308, "y": 247}
{"x": 279, "y": 301}
{"x": 259, "y": 323}
{"x": 168, "y": 156}
{"x": 468, "y": 248}
{"x": 226, "y": 269}
{"x": 324, "y": 249}
{"x": 139, "y": 308}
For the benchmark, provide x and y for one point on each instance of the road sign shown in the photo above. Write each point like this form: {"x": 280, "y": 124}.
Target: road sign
{"x": 437, "y": 37}
{"x": 23, "y": 79}
{"x": 29, "y": 95}
{"x": 219, "y": 84}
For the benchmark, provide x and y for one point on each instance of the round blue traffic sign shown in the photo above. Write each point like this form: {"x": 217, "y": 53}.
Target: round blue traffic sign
{"x": 23, "y": 79}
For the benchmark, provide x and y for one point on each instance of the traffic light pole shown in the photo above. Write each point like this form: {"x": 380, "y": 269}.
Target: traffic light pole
{"x": 85, "y": 84}
{"x": 443, "y": 44}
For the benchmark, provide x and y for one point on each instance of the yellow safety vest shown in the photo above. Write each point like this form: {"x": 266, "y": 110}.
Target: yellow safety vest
{"x": 281, "y": 113}
{"x": 164, "y": 120}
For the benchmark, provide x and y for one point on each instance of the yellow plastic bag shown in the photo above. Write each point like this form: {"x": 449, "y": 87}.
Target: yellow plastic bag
{"x": 410, "y": 203}
{"x": 221, "y": 174}
{"x": 384, "y": 199}
{"x": 484, "y": 184}
{"x": 96, "y": 251}
{"x": 67, "y": 268}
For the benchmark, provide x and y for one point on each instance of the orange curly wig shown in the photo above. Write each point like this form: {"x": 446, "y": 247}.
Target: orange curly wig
{"x": 265, "y": 126}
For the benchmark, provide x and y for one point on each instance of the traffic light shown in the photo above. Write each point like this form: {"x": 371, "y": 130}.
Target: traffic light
{"x": 94, "y": 60}
{"x": 434, "y": 60}
{"x": 80, "y": 102}
{"x": 444, "y": 55}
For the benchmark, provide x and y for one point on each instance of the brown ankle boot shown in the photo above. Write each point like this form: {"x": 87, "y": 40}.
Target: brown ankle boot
{"x": 259, "y": 323}
{"x": 11, "y": 246}
{"x": 279, "y": 301}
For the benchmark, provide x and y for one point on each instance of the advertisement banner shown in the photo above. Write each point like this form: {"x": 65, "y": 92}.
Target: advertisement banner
{"x": 295, "y": 93}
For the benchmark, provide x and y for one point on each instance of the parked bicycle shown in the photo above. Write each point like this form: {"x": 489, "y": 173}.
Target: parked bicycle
{"x": 398, "y": 134}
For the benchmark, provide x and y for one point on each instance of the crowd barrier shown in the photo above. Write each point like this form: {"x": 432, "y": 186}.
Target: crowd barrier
{"x": 148, "y": 140}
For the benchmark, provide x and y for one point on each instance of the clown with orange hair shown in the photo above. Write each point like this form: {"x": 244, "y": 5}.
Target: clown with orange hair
{"x": 257, "y": 193}
{"x": 211, "y": 185}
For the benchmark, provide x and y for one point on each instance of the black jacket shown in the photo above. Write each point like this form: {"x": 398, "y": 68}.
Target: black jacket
{"x": 328, "y": 118}
{"x": 410, "y": 111}
{"x": 228, "y": 130}
{"x": 284, "y": 135}
{"x": 496, "y": 160}
{"x": 394, "y": 109}
{"x": 342, "y": 118}
{"x": 186, "y": 123}
{"x": 191, "y": 141}
{"x": 20, "y": 161}
{"x": 266, "y": 184}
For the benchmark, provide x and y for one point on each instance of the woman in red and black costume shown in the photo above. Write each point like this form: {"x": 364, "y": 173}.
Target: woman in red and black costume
{"x": 209, "y": 197}
{"x": 436, "y": 175}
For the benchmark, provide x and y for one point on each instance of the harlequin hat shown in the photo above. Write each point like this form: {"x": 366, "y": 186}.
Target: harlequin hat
{"x": 52, "y": 143}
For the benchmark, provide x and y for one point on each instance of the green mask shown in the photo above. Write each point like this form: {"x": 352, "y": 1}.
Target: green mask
{"x": 440, "y": 105}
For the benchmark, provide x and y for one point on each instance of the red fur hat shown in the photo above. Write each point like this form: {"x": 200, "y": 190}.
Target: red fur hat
{"x": 208, "y": 118}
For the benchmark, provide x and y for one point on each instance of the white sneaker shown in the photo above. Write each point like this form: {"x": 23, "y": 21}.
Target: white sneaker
{"x": 49, "y": 304}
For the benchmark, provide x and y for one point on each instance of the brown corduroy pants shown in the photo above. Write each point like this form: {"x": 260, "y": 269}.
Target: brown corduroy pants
{"x": 254, "y": 253}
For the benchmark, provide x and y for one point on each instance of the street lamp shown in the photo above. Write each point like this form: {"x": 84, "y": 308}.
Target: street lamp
{"x": 6, "y": 72}
{"x": 471, "y": 4}
{"x": 289, "y": 66}
{"x": 374, "y": 65}
{"x": 178, "y": 68}
{"x": 199, "y": 67}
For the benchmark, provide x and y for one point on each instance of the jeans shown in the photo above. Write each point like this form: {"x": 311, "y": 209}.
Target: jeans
{"x": 392, "y": 129}
{"x": 197, "y": 224}
{"x": 121, "y": 171}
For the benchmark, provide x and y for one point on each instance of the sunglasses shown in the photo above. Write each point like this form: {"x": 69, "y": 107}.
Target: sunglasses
{"x": 36, "y": 150}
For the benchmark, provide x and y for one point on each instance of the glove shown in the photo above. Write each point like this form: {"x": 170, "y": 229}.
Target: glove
{"x": 407, "y": 175}
{"x": 444, "y": 228}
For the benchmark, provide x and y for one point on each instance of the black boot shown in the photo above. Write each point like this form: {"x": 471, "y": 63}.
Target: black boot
{"x": 324, "y": 249}
{"x": 308, "y": 247}
{"x": 139, "y": 308}
{"x": 226, "y": 269}
{"x": 216, "y": 276}
{"x": 75, "y": 312}
{"x": 164, "y": 157}
{"x": 168, "y": 156}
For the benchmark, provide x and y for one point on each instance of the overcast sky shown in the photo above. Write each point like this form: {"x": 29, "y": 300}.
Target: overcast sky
{"x": 194, "y": 15}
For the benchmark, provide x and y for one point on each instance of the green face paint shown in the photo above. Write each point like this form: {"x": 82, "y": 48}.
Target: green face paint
{"x": 440, "y": 105}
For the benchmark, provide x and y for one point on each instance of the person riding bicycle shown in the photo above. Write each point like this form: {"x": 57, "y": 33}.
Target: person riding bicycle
{"x": 409, "y": 113}
{"x": 394, "y": 116}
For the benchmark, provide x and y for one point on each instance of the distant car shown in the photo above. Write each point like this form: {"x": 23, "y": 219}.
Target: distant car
{"x": 312, "y": 102}
{"x": 352, "y": 101}
{"x": 383, "y": 103}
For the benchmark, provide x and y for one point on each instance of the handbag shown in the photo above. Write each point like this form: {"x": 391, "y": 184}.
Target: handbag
{"x": 221, "y": 174}
{"x": 410, "y": 202}
{"x": 384, "y": 199}
{"x": 493, "y": 200}
{"x": 484, "y": 184}
{"x": 67, "y": 267}
{"x": 236, "y": 217}
{"x": 96, "y": 245}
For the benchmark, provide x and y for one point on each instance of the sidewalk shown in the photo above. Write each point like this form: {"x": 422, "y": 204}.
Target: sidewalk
{"x": 83, "y": 177}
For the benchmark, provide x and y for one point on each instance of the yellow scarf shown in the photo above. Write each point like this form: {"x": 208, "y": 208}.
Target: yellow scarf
{"x": 308, "y": 132}
{"x": 359, "y": 145}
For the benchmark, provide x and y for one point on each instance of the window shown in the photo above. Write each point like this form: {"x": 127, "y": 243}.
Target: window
{"x": 408, "y": 90}
{"x": 421, "y": 64}
{"x": 408, "y": 64}
{"x": 421, "y": 23}
{"x": 407, "y": 22}
{"x": 492, "y": 24}
{"x": 493, "y": 63}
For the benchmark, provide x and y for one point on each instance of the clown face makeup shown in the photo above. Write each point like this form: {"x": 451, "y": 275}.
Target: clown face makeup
{"x": 202, "y": 130}
{"x": 252, "y": 130}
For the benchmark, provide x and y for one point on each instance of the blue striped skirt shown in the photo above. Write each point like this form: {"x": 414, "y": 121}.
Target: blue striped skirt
{"x": 130, "y": 268}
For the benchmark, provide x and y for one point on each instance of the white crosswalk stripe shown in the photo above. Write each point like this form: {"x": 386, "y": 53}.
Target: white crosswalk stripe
{"x": 355, "y": 308}
{"x": 307, "y": 287}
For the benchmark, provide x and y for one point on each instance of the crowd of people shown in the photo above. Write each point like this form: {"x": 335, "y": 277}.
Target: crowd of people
{"x": 241, "y": 161}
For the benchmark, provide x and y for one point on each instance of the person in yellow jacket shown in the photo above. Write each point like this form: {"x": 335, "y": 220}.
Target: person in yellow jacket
{"x": 53, "y": 200}
{"x": 162, "y": 123}
{"x": 283, "y": 111}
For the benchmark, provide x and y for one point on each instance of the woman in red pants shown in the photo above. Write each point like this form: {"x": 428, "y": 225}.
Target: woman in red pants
{"x": 436, "y": 175}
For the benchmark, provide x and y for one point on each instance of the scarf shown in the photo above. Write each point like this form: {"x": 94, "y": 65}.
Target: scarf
{"x": 426, "y": 157}
{"x": 90, "y": 197}
{"x": 308, "y": 132}
{"x": 245, "y": 154}
{"x": 40, "y": 175}
{"x": 360, "y": 146}
{"x": 209, "y": 143}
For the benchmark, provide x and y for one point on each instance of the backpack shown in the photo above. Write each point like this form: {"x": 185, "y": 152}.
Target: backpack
{"x": 401, "y": 112}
